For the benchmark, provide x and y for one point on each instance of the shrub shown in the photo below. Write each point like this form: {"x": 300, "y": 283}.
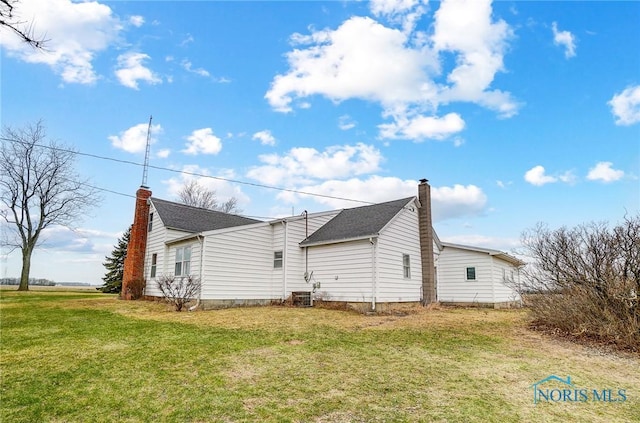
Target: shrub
{"x": 179, "y": 290}
{"x": 585, "y": 281}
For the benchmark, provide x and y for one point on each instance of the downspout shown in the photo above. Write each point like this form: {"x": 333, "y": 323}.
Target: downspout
{"x": 374, "y": 274}
{"x": 306, "y": 249}
{"x": 284, "y": 260}
{"x": 197, "y": 304}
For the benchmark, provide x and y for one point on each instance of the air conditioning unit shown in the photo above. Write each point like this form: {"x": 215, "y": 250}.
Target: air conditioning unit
{"x": 301, "y": 298}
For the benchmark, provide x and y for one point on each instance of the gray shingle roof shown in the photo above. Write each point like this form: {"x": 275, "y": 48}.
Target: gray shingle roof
{"x": 359, "y": 222}
{"x": 194, "y": 219}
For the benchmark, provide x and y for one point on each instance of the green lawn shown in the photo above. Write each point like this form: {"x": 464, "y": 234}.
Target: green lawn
{"x": 81, "y": 356}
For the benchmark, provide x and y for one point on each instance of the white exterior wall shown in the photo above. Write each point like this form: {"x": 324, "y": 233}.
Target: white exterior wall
{"x": 344, "y": 271}
{"x": 400, "y": 237}
{"x": 452, "y": 283}
{"x": 489, "y": 286}
{"x": 238, "y": 264}
{"x": 502, "y": 291}
{"x": 295, "y": 255}
{"x": 156, "y": 245}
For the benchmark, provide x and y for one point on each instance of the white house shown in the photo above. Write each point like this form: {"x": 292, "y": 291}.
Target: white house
{"x": 477, "y": 276}
{"x": 369, "y": 257}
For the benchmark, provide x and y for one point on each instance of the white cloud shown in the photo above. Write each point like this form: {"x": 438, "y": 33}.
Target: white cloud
{"x": 203, "y": 141}
{"x": 265, "y": 137}
{"x": 447, "y": 202}
{"x": 536, "y": 176}
{"x": 134, "y": 139}
{"x": 164, "y": 153}
{"x": 302, "y": 165}
{"x": 136, "y": 20}
{"x": 465, "y": 27}
{"x": 457, "y": 201}
{"x": 131, "y": 70}
{"x": 423, "y": 127}
{"x": 565, "y": 39}
{"x": 625, "y": 106}
{"x": 345, "y": 123}
{"x": 361, "y": 59}
{"x": 187, "y": 40}
{"x": 604, "y": 172}
{"x": 187, "y": 65}
{"x": 403, "y": 12}
{"x": 76, "y": 33}
{"x": 401, "y": 69}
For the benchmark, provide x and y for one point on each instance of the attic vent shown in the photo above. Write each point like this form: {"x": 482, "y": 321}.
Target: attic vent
{"x": 301, "y": 298}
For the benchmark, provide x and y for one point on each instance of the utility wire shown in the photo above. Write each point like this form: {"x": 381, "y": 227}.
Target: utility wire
{"x": 235, "y": 181}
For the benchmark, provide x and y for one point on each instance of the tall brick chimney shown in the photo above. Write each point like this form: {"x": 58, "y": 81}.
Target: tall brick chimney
{"x": 426, "y": 243}
{"x": 134, "y": 262}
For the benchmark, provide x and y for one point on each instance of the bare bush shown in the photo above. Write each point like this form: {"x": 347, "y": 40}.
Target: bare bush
{"x": 584, "y": 281}
{"x": 179, "y": 290}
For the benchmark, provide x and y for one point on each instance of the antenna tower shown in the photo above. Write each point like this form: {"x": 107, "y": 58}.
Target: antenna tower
{"x": 145, "y": 168}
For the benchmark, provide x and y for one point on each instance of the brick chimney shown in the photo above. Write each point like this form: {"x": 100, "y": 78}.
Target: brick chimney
{"x": 134, "y": 262}
{"x": 426, "y": 243}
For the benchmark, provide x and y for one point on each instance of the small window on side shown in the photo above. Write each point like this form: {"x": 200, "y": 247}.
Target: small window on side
{"x": 277, "y": 259}
{"x": 406, "y": 266}
{"x": 154, "y": 262}
{"x": 150, "y": 222}
{"x": 471, "y": 273}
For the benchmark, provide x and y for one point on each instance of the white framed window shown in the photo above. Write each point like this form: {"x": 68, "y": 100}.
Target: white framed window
{"x": 471, "y": 273}
{"x": 154, "y": 262}
{"x": 150, "y": 222}
{"x": 406, "y": 266}
{"x": 277, "y": 259}
{"x": 183, "y": 261}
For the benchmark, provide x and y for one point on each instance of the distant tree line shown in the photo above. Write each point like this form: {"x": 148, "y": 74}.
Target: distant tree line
{"x": 32, "y": 281}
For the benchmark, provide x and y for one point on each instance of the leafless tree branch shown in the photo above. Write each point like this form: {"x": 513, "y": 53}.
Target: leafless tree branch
{"x": 38, "y": 188}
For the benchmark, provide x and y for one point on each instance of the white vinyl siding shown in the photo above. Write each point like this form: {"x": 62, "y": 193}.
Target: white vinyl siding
{"x": 156, "y": 245}
{"x": 238, "y": 264}
{"x": 506, "y": 279}
{"x": 294, "y": 254}
{"x": 400, "y": 237}
{"x": 489, "y": 286}
{"x": 453, "y": 285}
{"x": 343, "y": 270}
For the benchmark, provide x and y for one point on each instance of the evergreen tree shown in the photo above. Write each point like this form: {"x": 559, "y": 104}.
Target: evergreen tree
{"x": 115, "y": 266}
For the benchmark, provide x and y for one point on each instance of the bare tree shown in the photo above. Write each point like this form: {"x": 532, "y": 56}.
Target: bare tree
{"x": 22, "y": 29}
{"x": 38, "y": 188}
{"x": 194, "y": 194}
{"x": 585, "y": 281}
{"x": 178, "y": 290}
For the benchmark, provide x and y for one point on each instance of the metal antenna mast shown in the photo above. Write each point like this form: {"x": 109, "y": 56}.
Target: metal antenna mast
{"x": 145, "y": 170}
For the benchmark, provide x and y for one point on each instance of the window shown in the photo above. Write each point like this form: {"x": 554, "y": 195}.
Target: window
{"x": 406, "y": 266}
{"x": 150, "y": 222}
{"x": 277, "y": 259}
{"x": 183, "y": 261}
{"x": 471, "y": 273}
{"x": 154, "y": 262}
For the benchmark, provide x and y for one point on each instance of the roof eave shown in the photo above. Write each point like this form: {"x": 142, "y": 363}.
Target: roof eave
{"x": 338, "y": 241}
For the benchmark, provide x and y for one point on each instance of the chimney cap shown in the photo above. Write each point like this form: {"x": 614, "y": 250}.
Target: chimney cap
{"x": 424, "y": 181}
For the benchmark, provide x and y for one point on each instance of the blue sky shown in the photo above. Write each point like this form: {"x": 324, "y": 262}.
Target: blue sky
{"x": 517, "y": 112}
